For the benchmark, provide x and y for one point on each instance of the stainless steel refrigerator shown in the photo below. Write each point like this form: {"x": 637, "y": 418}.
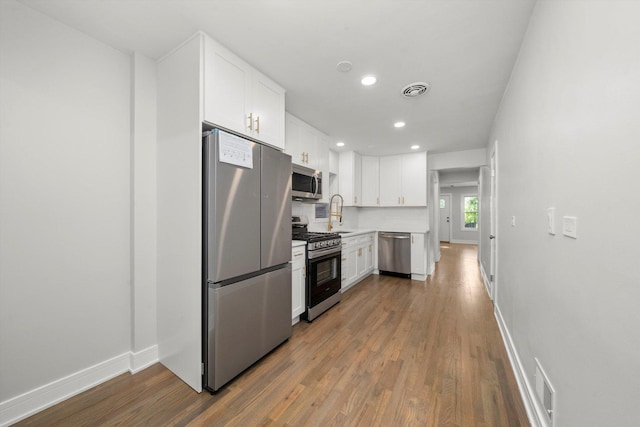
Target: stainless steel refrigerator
{"x": 246, "y": 254}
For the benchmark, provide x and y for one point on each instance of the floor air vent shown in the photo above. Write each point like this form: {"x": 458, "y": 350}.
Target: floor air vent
{"x": 546, "y": 394}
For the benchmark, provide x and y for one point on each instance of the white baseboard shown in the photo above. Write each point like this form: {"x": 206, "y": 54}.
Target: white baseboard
{"x": 143, "y": 359}
{"x": 36, "y": 400}
{"x": 531, "y": 405}
{"x": 485, "y": 279}
{"x": 419, "y": 277}
{"x": 464, "y": 242}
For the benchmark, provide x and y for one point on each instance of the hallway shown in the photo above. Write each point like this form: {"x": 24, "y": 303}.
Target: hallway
{"x": 394, "y": 352}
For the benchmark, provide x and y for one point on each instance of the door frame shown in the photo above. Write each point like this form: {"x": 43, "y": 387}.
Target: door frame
{"x": 450, "y": 196}
{"x": 493, "y": 206}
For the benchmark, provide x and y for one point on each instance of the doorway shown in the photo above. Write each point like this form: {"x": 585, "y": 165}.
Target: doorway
{"x": 444, "y": 229}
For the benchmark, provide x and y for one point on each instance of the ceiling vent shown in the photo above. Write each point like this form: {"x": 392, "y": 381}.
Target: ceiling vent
{"x": 414, "y": 90}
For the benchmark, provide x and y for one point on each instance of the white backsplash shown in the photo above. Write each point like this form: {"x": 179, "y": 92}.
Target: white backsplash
{"x": 394, "y": 219}
{"x": 411, "y": 219}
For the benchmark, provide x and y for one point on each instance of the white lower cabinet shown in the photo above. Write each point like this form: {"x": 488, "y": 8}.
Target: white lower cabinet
{"x": 357, "y": 258}
{"x": 298, "y": 275}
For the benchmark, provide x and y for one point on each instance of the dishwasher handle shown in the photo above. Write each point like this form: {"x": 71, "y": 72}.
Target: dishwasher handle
{"x": 395, "y": 236}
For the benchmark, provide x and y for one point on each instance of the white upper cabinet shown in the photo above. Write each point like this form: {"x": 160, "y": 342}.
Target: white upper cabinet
{"x": 414, "y": 179}
{"x": 390, "y": 177}
{"x": 240, "y": 98}
{"x": 226, "y": 90}
{"x": 306, "y": 145}
{"x": 370, "y": 181}
{"x": 403, "y": 180}
{"x": 334, "y": 160}
{"x": 267, "y": 110}
{"x": 350, "y": 178}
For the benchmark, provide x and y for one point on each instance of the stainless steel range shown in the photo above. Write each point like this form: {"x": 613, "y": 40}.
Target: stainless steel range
{"x": 323, "y": 262}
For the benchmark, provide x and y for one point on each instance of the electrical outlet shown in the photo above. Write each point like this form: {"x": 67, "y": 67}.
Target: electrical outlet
{"x": 513, "y": 221}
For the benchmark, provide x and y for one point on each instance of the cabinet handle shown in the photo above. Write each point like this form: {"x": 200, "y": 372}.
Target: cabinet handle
{"x": 344, "y": 259}
{"x": 257, "y": 124}
{"x": 377, "y": 200}
{"x": 306, "y": 158}
{"x": 304, "y": 271}
{"x": 302, "y": 158}
{"x": 299, "y": 254}
{"x": 250, "y": 121}
{"x": 359, "y": 251}
{"x": 399, "y": 200}
{"x": 355, "y": 200}
{"x": 403, "y": 200}
{"x": 412, "y": 240}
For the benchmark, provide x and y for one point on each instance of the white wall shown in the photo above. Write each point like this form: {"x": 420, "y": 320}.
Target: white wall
{"x": 143, "y": 215}
{"x": 69, "y": 316}
{"x": 458, "y": 235}
{"x": 458, "y": 159}
{"x": 567, "y": 130}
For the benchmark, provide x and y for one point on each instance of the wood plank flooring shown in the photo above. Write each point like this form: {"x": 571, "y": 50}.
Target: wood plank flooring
{"x": 394, "y": 352}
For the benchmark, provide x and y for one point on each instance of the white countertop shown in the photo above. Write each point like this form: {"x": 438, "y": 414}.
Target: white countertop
{"x": 353, "y": 232}
{"x": 296, "y": 243}
{"x": 358, "y": 231}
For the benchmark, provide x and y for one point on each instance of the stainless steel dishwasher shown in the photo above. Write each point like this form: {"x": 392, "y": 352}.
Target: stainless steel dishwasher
{"x": 394, "y": 253}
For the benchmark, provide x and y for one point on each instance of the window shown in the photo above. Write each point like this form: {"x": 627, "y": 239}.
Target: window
{"x": 470, "y": 212}
{"x": 443, "y": 204}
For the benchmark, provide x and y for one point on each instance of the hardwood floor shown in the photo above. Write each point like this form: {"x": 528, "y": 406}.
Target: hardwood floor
{"x": 394, "y": 352}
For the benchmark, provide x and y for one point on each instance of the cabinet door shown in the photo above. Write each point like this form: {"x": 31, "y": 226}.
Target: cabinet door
{"x": 390, "y": 181}
{"x": 343, "y": 267}
{"x": 293, "y": 146}
{"x": 352, "y": 264}
{"x": 226, "y": 88}
{"x": 298, "y": 275}
{"x": 350, "y": 178}
{"x": 308, "y": 136}
{"x": 267, "y": 111}
{"x": 368, "y": 258}
{"x": 414, "y": 179}
{"x": 418, "y": 259}
{"x": 361, "y": 263}
{"x": 357, "y": 179}
{"x": 370, "y": 181}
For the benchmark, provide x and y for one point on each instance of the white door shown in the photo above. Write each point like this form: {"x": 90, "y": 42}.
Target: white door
{"x": 445, "y": 218}
{"x": 493, "y": 206}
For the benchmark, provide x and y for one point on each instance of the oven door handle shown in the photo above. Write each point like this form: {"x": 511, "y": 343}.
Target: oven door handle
{"x": 323, "y": 252}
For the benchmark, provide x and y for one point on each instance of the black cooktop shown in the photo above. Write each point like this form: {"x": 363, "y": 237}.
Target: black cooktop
{"x": 313, "y": 236}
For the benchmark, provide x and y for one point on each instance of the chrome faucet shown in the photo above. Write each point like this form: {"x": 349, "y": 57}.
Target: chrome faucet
{"x": 335, "y": 213}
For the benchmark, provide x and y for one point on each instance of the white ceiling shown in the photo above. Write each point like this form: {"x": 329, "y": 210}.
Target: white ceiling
{"x": 465, "y": 49}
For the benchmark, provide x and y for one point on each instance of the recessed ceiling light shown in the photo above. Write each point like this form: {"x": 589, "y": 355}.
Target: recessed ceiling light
{"x": 344, "y": 66}
{"x": 368, "y": 80}
{"x": 415, "y": 147}
{"x": 340, "y": 144}
{"x": 398, "y": 124}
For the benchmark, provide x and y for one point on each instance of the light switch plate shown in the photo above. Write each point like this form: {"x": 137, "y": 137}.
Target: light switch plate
{"x": 551, "y": 220}
{"x": 570, "y": 226}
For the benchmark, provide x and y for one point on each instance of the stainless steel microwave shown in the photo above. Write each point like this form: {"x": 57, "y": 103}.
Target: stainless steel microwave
{"x": 306, "y": 183}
